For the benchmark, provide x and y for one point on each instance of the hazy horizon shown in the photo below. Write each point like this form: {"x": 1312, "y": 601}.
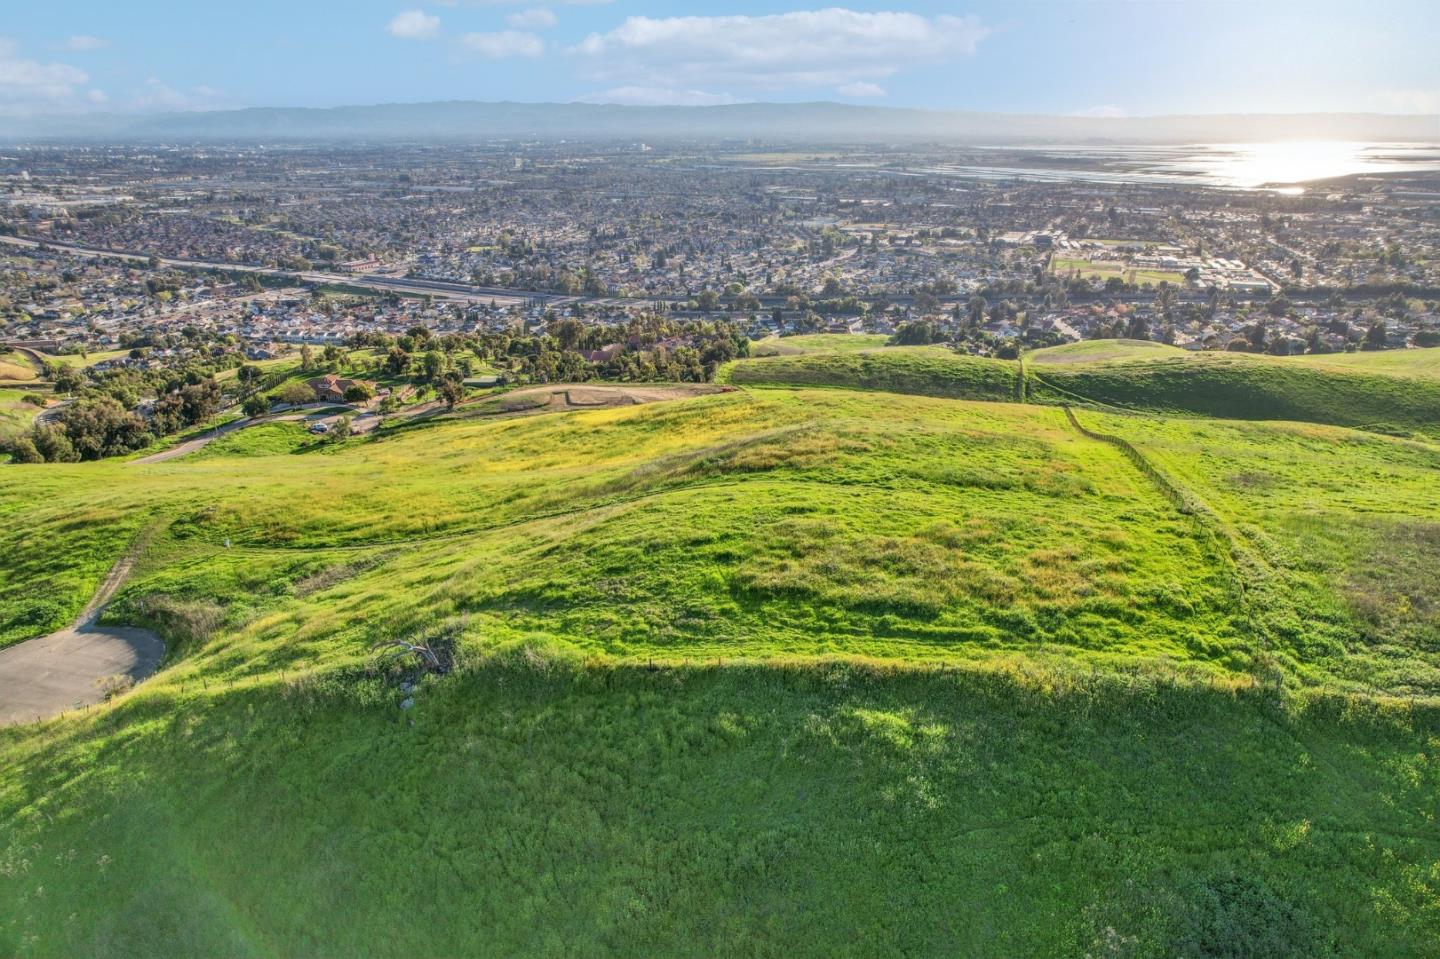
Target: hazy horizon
{"x": 818, "y": 121}
{"x": 723, "y": 107}
{"x": 1029, "y": 57}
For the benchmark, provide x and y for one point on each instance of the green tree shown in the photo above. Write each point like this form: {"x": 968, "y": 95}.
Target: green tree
{"x": 451, "y": 392}
{"x": 248, "y": 376}
{"x": 96, "y": 428}
{"x": 397, "y": 361}
{"x": 916, "y": 333}
{"x": 53, "y": 444}
{"x": 567, "y": 333}
{"x": 975, "y": 312}
{"x": 66, "y": 379}
{"x": 1257, "y": 336}
{"x": 1375, "y": 336}
{"x": 22, "y": 450}
{"x": 359, "y": 393}
{"x": 296, "y": 394}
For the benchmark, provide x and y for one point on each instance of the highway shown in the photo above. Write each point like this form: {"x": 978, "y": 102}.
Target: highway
{"x": 502, "y": 296}
{"x": 381, "y": 283}
{"x": 372, "y": 281}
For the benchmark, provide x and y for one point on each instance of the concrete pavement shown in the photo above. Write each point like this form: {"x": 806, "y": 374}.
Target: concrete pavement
{"x": 45, "y": 676}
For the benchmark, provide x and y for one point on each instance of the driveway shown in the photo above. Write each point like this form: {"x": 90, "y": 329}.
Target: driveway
{"x": 199, "y": 442}
{"x": 360, "y": 422}
{"x": 45, "y": 676}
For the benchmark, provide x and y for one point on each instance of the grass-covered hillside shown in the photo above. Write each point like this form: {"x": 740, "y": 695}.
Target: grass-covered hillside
{"x": 1126, "y": 375}
{"x": 783, "y": 671}
{"x": 537, "y": 806}
{"x": 818, "y": 343}
{"x": 923, "y": 370}
{"x": 17, "y": 368}
{"x": 748, "y": 524}
{"x": 1103, "y": 351}
{"x": 17, "y": 412}
{"x": 1409, "y": 364}
{"x": 1241, "y": 387}
{"x": 1423, "y": 363}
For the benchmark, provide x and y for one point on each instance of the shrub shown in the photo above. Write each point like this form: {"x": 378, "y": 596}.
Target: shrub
{"x": 295, "y": 394}
{"x": 183, "y": 621}
{"x": 256, "y": 405}
{"x": 22, "y": 450}
{"x": 1239, "y": 916}
{"x": 359, "y": 393}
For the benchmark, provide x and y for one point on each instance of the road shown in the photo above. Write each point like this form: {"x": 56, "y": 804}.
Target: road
{"x": 199, "y": 442}
{"x": 372, "y": 281}
{"x": 45, "y": 676}
{"x": 361, "y": 422}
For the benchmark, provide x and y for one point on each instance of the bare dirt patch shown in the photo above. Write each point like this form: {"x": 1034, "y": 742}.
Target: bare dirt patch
{"x": 563, "y": 397}
{"x": 81, "y": 665}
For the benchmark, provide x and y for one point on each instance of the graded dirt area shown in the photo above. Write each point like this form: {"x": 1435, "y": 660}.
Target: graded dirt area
{"x": 558, "y": 397}
{"x": 45, "y": 676}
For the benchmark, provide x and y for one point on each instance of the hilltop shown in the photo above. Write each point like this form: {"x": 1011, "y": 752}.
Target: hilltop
{"x": 1394, "y": 392}
{"x": 707, "y": 667}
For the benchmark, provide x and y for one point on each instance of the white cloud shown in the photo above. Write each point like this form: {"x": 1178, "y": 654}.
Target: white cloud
{"x": 660, "y": 96}
{"x": 414, "y": 25}
{"x": 502, "y": 44}
{"x": 811, "y": 48}
{"x": 84, "y": 43}
{"x": 1105, "y": 111}
{"x": 860, "y": 88}
{"x": 538, "y": 18}
{"x": 27, "y": 85}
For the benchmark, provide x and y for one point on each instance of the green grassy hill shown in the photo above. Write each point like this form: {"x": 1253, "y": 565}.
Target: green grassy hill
{"x": 923, "y": 370}
{"x": 1240, "y": 387}
{"x": 1125, "y": 374}
{"x": 775, "y": 672}
{"x": 1423, "y": 363}
{"x": 538, "y": 806}
{"x": 17, "y": 368}
{"x": 78, "y": 361}
{"x": 818, "y": 343}
{"x": 1103, "y": 351}
{"x": 16, "y": 414}
{"x": 1410, "y": 364}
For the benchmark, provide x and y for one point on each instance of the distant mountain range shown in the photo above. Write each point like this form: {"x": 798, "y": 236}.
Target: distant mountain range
{"x": 811, "y": 122}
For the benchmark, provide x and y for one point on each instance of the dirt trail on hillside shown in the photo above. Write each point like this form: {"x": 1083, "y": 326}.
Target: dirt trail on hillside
{"x": 45, "y": 676}
{"x": 554, "y": 398}
{"x": 563, "y": 397}
{"x": 361, "y": 423}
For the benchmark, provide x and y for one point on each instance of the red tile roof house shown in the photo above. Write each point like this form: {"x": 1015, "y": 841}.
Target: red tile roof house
{"x": 331, "y": 388}
{"x": 604, "y": 355}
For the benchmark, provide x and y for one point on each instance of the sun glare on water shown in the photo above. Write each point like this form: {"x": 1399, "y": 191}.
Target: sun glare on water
{"x": 1249, "y": 165}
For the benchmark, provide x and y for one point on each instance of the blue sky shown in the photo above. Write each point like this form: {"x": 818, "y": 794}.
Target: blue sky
{"x": 1057, "y": 56}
